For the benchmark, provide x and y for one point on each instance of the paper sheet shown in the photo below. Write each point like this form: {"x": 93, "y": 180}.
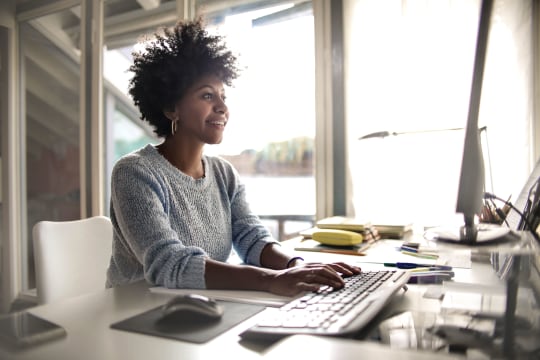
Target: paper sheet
{"x": 387, "y": 251}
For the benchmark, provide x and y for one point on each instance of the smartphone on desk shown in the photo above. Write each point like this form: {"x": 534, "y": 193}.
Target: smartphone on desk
{"x": 23, "y": 329}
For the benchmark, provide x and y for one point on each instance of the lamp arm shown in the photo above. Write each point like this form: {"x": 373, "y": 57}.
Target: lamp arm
{"x": 425, "y": 131}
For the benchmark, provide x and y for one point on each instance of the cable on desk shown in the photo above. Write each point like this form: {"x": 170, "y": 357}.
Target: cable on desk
{"x": 523, "y": 217}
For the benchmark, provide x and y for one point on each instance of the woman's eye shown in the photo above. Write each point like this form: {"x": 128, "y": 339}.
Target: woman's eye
{"x": 208, "y": 96}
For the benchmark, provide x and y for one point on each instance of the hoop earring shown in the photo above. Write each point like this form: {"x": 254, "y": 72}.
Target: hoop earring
{"x": 173, "y": 127}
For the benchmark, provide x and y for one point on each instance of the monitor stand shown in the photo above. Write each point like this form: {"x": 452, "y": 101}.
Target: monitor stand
{"x": 471, "y": 234}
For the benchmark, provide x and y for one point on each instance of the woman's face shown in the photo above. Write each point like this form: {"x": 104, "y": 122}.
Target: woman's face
{"x": 201, "y": 112}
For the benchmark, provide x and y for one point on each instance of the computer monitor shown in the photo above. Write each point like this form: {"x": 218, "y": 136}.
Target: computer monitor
{"x": 471, "y": 184}
{"x": 472, "y": 178}
{"x": 521, "y": 215}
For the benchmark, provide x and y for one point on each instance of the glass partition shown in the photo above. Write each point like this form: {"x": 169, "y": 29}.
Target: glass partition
{"x": 50, "y": 83}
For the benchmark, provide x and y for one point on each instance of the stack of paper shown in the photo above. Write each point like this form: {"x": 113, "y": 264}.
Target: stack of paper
{"x": 393, "y": 231}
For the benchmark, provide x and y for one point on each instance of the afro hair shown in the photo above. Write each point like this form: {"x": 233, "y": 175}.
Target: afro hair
{"x": 172, "y": 62}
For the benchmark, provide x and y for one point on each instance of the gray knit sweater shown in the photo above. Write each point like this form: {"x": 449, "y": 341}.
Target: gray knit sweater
{"x": 167, "y": 223}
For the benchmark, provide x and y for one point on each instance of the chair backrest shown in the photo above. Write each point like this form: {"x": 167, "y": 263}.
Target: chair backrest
{"x": 71, "y": 257}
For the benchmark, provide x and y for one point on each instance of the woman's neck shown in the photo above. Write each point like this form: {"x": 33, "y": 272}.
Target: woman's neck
{"x": 184, "y": 158}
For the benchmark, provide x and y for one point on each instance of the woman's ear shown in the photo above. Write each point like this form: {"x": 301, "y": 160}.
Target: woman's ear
{"x": 170, "y": 112}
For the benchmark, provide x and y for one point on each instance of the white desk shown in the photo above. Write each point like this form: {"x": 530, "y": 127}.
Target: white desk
{"x": 87, "y": 320}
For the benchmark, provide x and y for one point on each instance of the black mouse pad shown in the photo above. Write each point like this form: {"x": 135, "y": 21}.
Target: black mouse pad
{"x": 188, "y": 328}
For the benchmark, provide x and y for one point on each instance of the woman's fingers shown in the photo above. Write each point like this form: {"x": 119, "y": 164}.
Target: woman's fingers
{"x": 340, "y": 267}
{"x": 323, "y": 276}
{"x": 345, "y": 269}
{"x": 312, "y": 276}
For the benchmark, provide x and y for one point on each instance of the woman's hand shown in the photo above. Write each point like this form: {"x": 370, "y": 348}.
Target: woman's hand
{"x": 309, "y": 277}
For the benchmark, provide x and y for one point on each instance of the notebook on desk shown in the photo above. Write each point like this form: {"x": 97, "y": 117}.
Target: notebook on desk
{"x": 389, "y": 230}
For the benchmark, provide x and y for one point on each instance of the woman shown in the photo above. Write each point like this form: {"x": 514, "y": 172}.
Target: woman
{"x": 177, "y": 213}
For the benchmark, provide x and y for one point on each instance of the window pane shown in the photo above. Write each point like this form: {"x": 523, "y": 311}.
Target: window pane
{"x": 128, "y": 136}
{"x": 125, "y": 132}
{"x": 271, "y": 131}
{"x": 50, "y": 80}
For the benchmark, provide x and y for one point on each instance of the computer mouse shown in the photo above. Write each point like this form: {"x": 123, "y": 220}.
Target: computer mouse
{"x": 191, "y": 307}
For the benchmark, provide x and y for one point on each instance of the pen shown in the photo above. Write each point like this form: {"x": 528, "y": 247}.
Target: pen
{"x": 407, "y": 265}
{"x": 413, "y": 245}
{"x": 421, "y": 255}
{"x": 407, "y": 248}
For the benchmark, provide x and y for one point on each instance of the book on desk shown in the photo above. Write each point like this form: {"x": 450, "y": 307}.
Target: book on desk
{"x": 388, "y": 230}
{"x": 369, "y": 233}
{"x": 331, "y": 235}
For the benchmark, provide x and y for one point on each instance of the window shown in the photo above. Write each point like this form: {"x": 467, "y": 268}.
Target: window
{"x": 125, "y": 132}
{"x": 271, "y": 132}
{"x": 409, "y": 69}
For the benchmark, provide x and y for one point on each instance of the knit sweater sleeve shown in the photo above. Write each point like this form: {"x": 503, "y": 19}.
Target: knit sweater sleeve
{"x": 249, "y": 234}
{"x": 140, "y": 211}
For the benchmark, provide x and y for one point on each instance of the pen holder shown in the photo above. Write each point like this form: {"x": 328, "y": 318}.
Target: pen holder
{"x": 491, "y": 214}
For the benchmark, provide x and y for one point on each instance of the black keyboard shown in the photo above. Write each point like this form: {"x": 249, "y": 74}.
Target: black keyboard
{"x": 332, "y": 312}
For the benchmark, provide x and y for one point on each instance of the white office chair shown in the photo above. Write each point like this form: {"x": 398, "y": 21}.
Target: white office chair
{"x": 71, "y": 257}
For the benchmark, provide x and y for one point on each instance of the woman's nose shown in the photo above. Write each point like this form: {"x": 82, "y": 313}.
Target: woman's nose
{"x": 221, "y": 107}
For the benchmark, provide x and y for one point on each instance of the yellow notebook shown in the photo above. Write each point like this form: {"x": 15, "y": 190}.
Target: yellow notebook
{"x": 337, "y": 237}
